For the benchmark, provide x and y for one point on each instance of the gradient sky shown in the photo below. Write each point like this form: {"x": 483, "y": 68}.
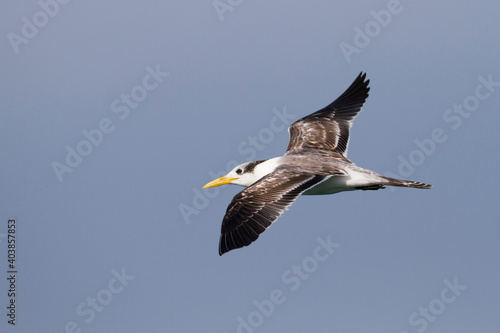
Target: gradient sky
{"x": 114, "y": 115}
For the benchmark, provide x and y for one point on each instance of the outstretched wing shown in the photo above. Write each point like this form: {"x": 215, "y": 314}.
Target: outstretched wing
{"x": 255, "y": 208}
{"x": 328, "y": 128}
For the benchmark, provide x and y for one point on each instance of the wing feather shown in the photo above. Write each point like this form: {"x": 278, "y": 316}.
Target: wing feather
{"x": 255, "y": 208}
{"x": 328, "y": 128}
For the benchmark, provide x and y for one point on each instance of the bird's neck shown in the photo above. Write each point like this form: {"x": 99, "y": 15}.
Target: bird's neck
{"x": 266, "y": 167}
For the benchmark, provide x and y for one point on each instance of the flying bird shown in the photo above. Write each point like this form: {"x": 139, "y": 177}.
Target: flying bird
{"x": 315, "y": 162}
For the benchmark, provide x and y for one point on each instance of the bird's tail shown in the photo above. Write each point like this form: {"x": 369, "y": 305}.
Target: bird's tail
{"x": 404, "y": 183}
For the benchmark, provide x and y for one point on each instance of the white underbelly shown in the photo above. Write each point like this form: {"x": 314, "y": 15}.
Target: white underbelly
{"x": 336, "y": 184}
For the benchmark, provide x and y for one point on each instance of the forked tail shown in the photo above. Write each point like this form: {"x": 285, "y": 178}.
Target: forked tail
{"x": 405, "y": 183}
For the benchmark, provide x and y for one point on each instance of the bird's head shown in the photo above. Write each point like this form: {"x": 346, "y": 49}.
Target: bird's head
{"x": 244, "y": 174}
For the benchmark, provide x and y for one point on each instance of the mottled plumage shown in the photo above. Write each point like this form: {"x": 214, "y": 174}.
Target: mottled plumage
{"x": 315, "y": 162}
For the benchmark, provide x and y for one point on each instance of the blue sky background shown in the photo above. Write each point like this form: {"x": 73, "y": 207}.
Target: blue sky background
{"x": 406, "y": 260}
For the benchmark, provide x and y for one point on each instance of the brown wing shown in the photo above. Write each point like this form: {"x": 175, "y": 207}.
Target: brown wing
{"x": 328, "y": 128}
{"x": 255, "y": 208}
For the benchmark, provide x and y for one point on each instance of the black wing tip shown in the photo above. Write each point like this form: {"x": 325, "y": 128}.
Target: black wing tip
{"x": 226, "y": 245}
{"x": 360, "y": 83}
{"x": 354, "y": 96}
{"x": 222, "y": 246}
{"x": 362, "y": 76}
{"x": 233, "y": 240}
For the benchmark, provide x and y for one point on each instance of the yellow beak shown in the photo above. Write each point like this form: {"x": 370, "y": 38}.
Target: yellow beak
{"x": 220, "y": 181}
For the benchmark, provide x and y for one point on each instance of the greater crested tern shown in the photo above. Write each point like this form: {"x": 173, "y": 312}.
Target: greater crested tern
{"x": 315, "y": 162}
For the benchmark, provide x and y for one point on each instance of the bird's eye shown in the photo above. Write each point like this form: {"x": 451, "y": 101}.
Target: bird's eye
{"x": 239, "y": 171}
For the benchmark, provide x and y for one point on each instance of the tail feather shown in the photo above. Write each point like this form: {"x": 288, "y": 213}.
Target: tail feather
{"x": 405, "y": 183}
